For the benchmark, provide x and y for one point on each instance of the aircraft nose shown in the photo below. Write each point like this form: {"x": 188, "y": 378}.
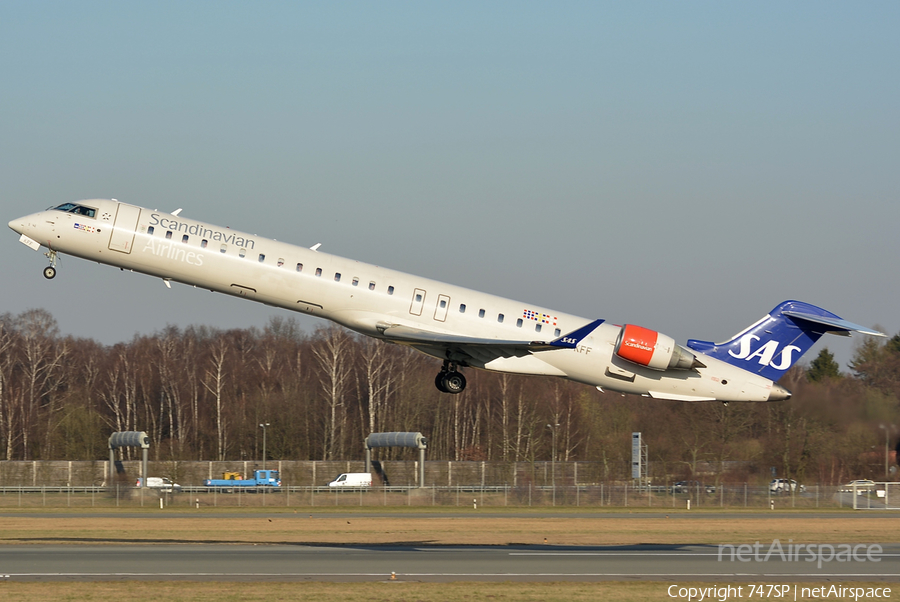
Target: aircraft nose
{"x": 17, "y": 225}
{"x": 779, "y": 393}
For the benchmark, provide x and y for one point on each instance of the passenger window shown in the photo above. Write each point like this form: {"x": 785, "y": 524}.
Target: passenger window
{"x": 168, "y": 235}
{"x": 280, "y": 261}
{"x": 242, "y": 253}
{"x": 390, "y": 290}
{"x": 318, "y": 271}
{"x": 262, "y": 258}
{"x": 443, "y": 303}
{"x": 337, "y": 276}
{"x": 204, "y": 243}
{"x": 537, "y": 327}
{"x": 557, "y": 333}
{"x": 500, "y": 318}
{"x": 185, "y": 238}
{"x": 480, "y": 313}
{"x": 418, "y": 298}
{"x": 150, "y": 230}
{"x": 372, "y": 286}
{"x": 299, "y": 267}
{"x": 223, "y": 248}
{"x": 519, "y": 323}
{"x": 462, "y": 308}
{"x": 355, "y": 282}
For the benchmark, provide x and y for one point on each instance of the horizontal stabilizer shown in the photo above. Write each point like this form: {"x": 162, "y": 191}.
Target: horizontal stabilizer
{"x": 837, "y": 326}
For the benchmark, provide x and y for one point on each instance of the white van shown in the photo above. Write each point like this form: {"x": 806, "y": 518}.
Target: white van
{"x": 352, "y": 479}
{"x": 162, "y": 484}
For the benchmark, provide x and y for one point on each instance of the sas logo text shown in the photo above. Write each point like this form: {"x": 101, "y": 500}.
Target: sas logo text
{"x": 766, "y": 353}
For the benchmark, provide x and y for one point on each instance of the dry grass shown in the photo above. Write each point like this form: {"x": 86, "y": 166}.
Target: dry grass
{"x": 356, "y": 592}
{"x": 325, "y": 528}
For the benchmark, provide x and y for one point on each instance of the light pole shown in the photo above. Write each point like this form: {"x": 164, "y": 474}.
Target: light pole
{"x": 263, "y": 425}
{"x": 887, "y": 453}
{"x": 553, "y": 428}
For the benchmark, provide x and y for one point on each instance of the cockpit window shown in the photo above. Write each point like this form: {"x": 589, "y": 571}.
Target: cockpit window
{"x": 76, "y": 209}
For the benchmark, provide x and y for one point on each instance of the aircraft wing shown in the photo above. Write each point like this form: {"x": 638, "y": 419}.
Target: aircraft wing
{"x": 482, "y": 348}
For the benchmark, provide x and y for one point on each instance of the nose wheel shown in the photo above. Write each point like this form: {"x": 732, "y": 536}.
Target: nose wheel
{"x": 450, "y": 380}
{"x": 50, "y": 270}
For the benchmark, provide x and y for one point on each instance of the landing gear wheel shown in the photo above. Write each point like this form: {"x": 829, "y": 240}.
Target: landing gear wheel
{"x": 50, "y": 270}
{"x": 439, "y": 382}
{"x": 452, "y": 382}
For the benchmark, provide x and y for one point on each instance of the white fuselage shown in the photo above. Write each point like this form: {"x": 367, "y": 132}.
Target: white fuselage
{"x": 368, "y": 298}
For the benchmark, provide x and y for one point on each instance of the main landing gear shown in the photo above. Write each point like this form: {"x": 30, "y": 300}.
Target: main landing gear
{"x": 50, "y": 270}
{"x": 449, "y": 379}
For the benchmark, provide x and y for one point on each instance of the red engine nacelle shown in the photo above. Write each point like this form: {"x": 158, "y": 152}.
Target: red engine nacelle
{"x": 654, "y": 350}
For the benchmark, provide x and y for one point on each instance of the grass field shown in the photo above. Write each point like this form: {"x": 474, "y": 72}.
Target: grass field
{"x": 366, "y": 592}
{"x": 399, "y": 526}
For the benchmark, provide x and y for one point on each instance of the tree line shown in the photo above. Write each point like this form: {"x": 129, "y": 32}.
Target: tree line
{"x": 203, "y": 394}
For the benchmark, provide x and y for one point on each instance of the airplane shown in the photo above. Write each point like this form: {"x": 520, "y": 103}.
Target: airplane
{"x": 462, "y": 327}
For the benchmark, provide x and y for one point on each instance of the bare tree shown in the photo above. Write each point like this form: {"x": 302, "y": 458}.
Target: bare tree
{"x": 42, "y": 358}
{"x": 378, "y": 374}
{"x": 214, "y": 382}
{"x": 331, "y": 350}
{"x": 8, "y": 340}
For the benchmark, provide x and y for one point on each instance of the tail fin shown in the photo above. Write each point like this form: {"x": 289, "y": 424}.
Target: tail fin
{"x": 773, "y": 344}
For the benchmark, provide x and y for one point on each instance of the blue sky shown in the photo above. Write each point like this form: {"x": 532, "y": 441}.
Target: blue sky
{"x": 682, "y": 166}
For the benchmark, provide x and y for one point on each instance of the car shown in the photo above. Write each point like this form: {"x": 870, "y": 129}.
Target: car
{"x": 786, "y": 486}
{"x": 691, "y": 487}
{"x": 858, "y": 485}
{"x": 160, "y": 484}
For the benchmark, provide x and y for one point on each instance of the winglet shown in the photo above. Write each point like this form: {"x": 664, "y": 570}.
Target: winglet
{"x": 571, "y": 340}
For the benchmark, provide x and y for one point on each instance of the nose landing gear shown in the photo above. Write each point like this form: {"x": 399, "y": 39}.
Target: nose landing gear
{"x": 50, "y": 270}
{"x": 449, "y": 379}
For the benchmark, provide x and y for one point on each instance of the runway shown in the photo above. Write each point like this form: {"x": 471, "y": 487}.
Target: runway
{"x": 440, "y": 563}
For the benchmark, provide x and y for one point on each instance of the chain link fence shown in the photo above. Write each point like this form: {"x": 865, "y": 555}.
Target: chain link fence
{"x": 461, "y": 484}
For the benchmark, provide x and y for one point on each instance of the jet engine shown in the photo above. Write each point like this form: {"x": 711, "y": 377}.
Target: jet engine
{"x": 654, "y": 350}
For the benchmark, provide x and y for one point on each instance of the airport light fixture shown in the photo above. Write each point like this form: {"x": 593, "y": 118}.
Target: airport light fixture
{"x": 263, "y": 426}
{"x": 553, "y": 428}
{"x": 887, "y": 448}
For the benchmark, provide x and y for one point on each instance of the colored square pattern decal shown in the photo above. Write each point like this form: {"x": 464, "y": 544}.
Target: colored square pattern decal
{"x": 539, "y": 317}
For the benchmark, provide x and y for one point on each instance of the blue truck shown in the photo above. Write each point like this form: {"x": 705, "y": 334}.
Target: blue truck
{"x": 261, "y": 478}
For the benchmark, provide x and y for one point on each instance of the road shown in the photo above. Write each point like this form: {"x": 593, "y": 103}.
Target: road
{"x": 434, "y": 563}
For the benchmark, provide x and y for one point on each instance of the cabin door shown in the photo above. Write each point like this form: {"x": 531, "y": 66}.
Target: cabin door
{"x": 122, "y": 237}
{"x": 440, "y": 311}
{"x": 418, "y": 301}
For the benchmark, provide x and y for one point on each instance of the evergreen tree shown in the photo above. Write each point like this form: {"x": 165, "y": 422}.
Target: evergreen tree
{"x": 823, "y": 367}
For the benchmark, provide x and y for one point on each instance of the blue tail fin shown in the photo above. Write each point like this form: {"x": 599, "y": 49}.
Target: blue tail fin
{"x": 773, "y": 344}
